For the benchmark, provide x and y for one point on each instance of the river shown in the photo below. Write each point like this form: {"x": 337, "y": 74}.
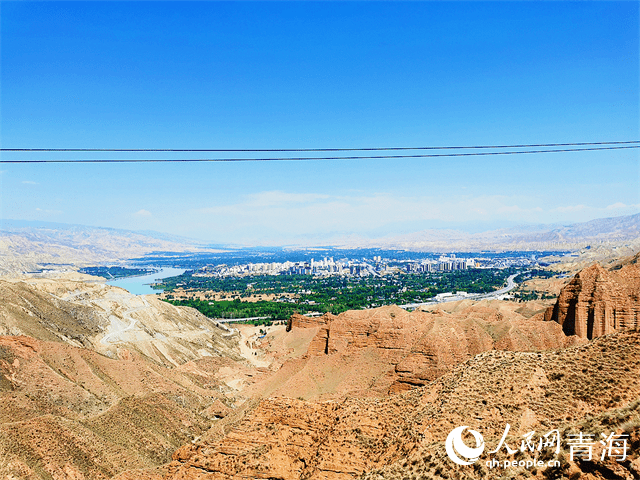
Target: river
{"x": 141, "y": 285}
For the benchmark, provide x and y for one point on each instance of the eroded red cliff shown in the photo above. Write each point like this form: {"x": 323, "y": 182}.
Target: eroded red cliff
{"x": 599, "y": 301}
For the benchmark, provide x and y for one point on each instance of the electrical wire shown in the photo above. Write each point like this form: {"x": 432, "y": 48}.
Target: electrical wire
{"x": 366, "y": 149}
{"x": 277, "y": 159}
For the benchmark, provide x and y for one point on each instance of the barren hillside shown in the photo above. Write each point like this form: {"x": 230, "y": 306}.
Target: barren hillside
{"x": 71, "y": 411}
{"x": 104, "y": 318}
{"x": 387, "y": 349}
{"x": 95, "y": 381}
{"x": 591, "y": 387}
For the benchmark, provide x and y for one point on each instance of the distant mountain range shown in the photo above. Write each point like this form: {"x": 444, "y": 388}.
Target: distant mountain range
{"x": 27, "y": 246}
{"x": 31, "y": 246}
{"x": 26, "y": 225}
{"x": 527, "y": 237}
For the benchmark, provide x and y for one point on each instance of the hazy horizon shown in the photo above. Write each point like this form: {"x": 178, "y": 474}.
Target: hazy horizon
{"x": 329, "y": 240}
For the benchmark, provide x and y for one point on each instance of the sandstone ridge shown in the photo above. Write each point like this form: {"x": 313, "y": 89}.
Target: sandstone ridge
{"x": 387, "y": 349}
{"x": 599, "y": 301}
{"x": 402, "y": 436}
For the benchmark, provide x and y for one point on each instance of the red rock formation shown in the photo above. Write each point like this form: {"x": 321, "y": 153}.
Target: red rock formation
{"x": 599, "y": 301}
{"x": 302, "y": 321}
{"x": 387, "y": 349}
{"x": 402, "y": 436}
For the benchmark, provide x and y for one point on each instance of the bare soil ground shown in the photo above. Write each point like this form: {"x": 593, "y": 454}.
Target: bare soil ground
{"x": 590, "y": 388}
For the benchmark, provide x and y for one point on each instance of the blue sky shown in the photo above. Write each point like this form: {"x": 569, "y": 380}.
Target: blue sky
{"x": 326, "y": 74}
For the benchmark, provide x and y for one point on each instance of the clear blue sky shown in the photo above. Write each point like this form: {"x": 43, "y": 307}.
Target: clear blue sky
{"x": 327, "y": 74}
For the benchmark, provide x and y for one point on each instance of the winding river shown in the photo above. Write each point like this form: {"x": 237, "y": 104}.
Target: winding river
{"x": 141, "y": 285}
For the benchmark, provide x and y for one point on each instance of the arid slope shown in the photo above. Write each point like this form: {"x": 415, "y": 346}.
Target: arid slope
{"x": 105, "y": 318}
{"x": 387, "y": 349}
{"x": 95, "y": 381}
{"x": 69, "y": 408}
{"x": 402, "y": 435}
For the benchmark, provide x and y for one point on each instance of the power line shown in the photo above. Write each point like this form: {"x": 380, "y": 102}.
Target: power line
{"x": 177, "y": 160}
{"x": 367, "y": 149}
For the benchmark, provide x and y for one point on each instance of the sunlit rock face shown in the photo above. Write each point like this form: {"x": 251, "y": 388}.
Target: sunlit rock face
{"x": 387, "y": 349}
{"x": 599, "y": 301}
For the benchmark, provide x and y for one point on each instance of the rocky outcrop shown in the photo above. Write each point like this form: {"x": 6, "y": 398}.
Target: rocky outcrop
{"x": 402, "y": 436}
{"x": 387, "y": 349}
{"x": 598, "y": 301}
{"x": 301, "y": 321}
{"x": 216, "y": 410}
{"x": 283, "y": 438}
{"x": 320, "y": 342}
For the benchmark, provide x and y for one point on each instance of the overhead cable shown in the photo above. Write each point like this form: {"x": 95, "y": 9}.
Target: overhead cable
{"x": 365, "y": 149}
{"x": 277, "y": 159}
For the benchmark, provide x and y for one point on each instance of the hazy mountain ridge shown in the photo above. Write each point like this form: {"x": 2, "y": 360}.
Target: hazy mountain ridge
{"x": 32, "y": 246}
{"x": 540, "y": 237}
{"x": 605, "y": 231}
{"x": 12, "y": 225}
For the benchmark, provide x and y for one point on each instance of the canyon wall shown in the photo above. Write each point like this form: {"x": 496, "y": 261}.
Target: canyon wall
{"x": 599, "y": 301}
{"x": 387, "y": 349}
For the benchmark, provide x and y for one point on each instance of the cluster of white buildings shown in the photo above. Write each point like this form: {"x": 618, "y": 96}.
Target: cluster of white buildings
{"x": 443, "y": 264}
{"x": 323, "y": 267}
{"x": 376, "y": 266}
{"x": 328, "y": 266}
